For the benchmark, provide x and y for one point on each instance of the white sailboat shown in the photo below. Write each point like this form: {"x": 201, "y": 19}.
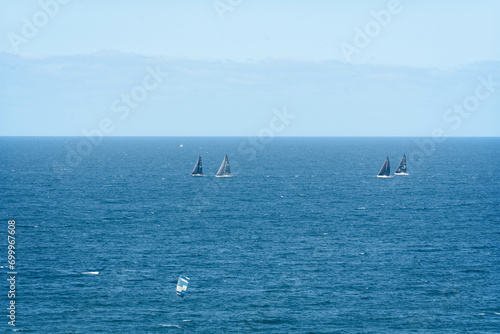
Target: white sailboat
{"x": 385, "y": 171}
{"x": 401, "y": 170}
{"x": 224, "y": 170}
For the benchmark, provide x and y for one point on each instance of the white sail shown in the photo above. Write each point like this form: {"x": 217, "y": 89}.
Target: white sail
{"x": 225, "y": 169}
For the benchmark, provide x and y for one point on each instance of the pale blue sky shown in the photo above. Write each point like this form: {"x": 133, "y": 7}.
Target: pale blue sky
{"x": 423, "y": 37}
{"x": 423, "y": 33}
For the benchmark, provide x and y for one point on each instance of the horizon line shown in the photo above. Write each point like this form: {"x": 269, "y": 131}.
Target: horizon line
{"x": 240, "y": 136}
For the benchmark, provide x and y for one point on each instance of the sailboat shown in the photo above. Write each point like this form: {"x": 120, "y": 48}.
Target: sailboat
{"x": 385, "y": 171}
{"x": 401, "y": 170}
{"x": 198, "y": 168}
{"x": 224, "y": 170}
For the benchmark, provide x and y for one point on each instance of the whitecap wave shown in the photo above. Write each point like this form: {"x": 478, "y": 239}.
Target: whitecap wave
{"x": 163, "y": 325}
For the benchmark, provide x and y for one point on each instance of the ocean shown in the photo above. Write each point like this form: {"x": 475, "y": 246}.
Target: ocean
{"x": 303, "y": 239}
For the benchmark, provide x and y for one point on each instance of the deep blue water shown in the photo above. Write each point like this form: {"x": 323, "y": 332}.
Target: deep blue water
{"x": 304, "y": 238}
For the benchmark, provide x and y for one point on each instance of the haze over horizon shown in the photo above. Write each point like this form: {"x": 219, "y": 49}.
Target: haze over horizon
{"x": 210, "y": 68}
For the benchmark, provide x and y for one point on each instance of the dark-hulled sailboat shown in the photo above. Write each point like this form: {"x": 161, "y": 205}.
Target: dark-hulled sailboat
{"x": 198, "y": 168}
{"x": 224, "y": 170}
{"x": 401, "y": 170}
{"x": 385, "y": 171}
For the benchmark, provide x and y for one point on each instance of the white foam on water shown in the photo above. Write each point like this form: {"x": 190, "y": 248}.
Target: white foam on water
{"x": 91, "y": 273}
{"x": 163, "y": 325}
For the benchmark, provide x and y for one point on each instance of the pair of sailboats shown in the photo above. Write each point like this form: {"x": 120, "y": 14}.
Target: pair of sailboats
{"x": 224, "y": 170}
{"x": 385, "y": 171}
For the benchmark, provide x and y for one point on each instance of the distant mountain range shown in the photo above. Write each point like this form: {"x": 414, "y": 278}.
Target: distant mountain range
{"x": 64, "y": 95}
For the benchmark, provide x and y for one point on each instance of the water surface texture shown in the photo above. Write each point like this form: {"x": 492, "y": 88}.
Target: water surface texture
{"x": 303, "y": 239}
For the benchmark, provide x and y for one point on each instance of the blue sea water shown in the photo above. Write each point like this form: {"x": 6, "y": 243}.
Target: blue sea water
{"x": 303, "y": 239}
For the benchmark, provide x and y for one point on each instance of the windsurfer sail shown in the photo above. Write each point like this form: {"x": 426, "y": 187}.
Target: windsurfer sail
{"x": 182, "y": 285}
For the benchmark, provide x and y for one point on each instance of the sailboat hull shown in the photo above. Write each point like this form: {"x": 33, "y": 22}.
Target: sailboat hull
{"x": 197, "y": 174}
{"x": 229, "y": 175}
{"x": 401, "y": 174}
{"x": 384, "y": 176}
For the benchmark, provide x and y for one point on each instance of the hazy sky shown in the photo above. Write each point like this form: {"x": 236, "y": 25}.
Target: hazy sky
{"x": 420, "y": 33}
{"x": 430, "y": 35}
